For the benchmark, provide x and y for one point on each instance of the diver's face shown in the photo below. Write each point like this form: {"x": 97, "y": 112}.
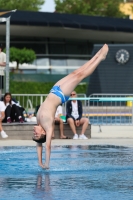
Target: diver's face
{"x": 38, "y": 131}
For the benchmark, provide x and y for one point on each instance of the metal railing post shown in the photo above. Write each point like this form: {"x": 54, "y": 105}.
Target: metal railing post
{"x": 7, "y": 52}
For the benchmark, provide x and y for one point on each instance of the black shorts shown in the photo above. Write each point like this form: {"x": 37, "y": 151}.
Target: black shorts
{"x": 1, "y": 82}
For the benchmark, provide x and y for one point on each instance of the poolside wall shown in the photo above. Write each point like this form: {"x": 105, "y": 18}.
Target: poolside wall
{"x": 17, "y": 131}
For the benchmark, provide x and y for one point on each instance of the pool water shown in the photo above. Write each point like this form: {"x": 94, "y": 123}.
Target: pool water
{"x": 76, "y": 173}
{"x": 111, "y": 120}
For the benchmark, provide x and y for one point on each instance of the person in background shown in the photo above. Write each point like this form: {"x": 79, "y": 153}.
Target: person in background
{"x": 2, "y": 116}
{"x": 12, "y": 111}
{"x": 74, "y": 117}
{"x": 2, "y": 68}
{"x": 59, "y": 121}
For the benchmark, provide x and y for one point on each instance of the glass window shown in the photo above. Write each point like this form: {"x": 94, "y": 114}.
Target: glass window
{"x": 59, "y": 71}
{"x": 43, "y": 71}
{"x": 56, "y": 40}
{"x": 37, "y": 47}
{"x": 56, "y": 49}
{"x": 31, "y": 71}
{"x": 76, "y": 62}
{"x": 70, "y": 71}
{"x": 42, "y": 61}
{"x": 58, "y": 62}
{"x": 26, "y": 38}
{"x": 77, "y": 49}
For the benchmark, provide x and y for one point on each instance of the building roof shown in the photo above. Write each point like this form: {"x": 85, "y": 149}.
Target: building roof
{"x": 66, "y": 25}
{"x": 71, "y": 21}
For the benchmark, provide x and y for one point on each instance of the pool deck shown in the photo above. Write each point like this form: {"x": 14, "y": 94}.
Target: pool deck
{"x": 110, "y": 135}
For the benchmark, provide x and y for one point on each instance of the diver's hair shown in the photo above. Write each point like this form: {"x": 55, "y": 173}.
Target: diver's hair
{"x": 41, "y": 139}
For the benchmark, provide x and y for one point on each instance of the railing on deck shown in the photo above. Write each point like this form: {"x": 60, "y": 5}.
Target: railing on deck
{"x": 101, "y": 109}
{"x": 111, "y": 109}
{"x": 30, "y": 101}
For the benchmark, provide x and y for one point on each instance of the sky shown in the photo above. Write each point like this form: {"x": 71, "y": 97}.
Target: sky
{"x": 49, "y": 6}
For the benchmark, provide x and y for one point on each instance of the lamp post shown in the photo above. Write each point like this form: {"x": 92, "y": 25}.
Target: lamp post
{"x": 7, "y": 52}
{"x": 7, "y": 20}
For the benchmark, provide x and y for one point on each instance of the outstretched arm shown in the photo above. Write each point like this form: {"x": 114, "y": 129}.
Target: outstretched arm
{"x": 39, "y": 153}
{"x": 38, "y": 131}
{"x": 48, "y": 147}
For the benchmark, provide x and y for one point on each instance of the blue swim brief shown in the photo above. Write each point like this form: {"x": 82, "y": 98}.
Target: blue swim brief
{"x": 58, "y": 92}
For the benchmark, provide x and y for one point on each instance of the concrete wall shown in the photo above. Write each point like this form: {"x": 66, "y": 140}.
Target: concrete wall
{"x": 24, "y": 131}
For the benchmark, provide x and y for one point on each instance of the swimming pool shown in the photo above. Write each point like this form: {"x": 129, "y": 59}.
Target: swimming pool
{"x": 76, "y": 173}
{"x": 111, "y": 120}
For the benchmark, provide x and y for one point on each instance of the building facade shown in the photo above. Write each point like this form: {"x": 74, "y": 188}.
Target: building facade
{"x": 64, "y": 42}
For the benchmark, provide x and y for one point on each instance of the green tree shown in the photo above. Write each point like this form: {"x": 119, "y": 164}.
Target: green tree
{"x": 30, "y": 5}
{"x": 22, "y": 55}
{"x": 108, "y": 8}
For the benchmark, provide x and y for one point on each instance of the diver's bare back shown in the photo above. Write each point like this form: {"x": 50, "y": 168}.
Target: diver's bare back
{"x": 46, "y": 112}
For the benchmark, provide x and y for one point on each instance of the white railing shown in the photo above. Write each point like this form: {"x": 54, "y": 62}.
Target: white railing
{"x": 111, "y": 109}
{"x": 101, "y": 109}
{"x": 30, "y": 101}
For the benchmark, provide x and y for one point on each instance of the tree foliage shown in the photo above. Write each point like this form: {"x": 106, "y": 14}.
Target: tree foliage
{"x": 30, "y": 5}
{"x": 22, "y": 55}
{"x": 108, "y": 8}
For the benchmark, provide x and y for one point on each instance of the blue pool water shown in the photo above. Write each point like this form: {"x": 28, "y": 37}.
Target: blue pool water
{"x": 111, "y": 120}
{"x": 76, "y": 173}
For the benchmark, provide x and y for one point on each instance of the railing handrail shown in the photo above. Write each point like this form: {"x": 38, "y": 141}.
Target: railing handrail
{"x": 109, "y": 94}
{"x": 104, "y": 103}
{"x": 97, "y": 109}
{"x": 30, "y": 101}
{"x": 39, "y": 94}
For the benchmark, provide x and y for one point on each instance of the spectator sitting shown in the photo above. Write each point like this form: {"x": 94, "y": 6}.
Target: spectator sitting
{"x": 74, "y": 117}
{"x": 13, "y": 112}
{"x": 59, "y": 121}
{"x": 2, "y": 116}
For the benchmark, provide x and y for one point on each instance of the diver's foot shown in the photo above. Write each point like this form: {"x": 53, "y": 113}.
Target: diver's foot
{"x": 98, "y": 53}
{"x": 44, "y": 166}
{"x": 103, "y": 51}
